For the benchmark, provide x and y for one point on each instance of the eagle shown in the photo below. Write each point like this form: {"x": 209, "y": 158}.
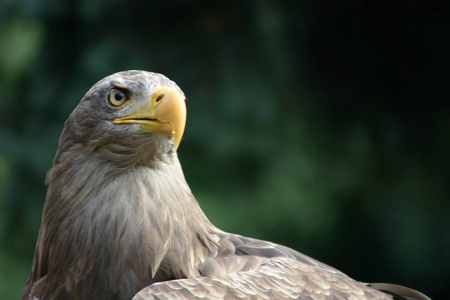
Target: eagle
{"x": 120, "y": 221}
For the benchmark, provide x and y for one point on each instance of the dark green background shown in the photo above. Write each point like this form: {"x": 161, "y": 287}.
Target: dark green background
{"x": 321, "y": 125}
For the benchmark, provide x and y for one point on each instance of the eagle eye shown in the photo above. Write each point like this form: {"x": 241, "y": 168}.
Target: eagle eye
{"x": 117, "y": 97}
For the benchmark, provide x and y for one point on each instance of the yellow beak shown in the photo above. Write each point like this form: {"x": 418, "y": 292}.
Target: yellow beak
{"x": 165, "y": 114}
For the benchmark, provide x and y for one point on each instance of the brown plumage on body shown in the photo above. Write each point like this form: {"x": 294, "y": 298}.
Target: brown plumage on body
{"x": 120, "y": 221}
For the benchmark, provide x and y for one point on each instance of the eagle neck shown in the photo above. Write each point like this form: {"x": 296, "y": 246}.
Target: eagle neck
{"x": 128, "y": 228}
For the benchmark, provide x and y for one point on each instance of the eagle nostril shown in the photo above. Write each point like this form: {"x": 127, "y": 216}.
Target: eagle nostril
{"x": 159, "y": 98}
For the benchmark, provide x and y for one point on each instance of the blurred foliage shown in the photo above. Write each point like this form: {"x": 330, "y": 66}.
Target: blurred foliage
{"x": 320, "y": 125}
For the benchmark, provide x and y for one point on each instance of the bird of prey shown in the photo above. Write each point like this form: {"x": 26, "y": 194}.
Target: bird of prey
{"x": 120, "y": 221}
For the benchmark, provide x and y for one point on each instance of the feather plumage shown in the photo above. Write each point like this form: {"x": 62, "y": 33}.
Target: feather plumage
{"x": 120, "y": 221}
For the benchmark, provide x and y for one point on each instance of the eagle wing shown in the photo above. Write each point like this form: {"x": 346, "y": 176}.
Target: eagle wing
{"x": 245, "y": 268}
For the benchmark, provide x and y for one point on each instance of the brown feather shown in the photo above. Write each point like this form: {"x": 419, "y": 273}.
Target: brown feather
{"x": 120, "y": 221}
